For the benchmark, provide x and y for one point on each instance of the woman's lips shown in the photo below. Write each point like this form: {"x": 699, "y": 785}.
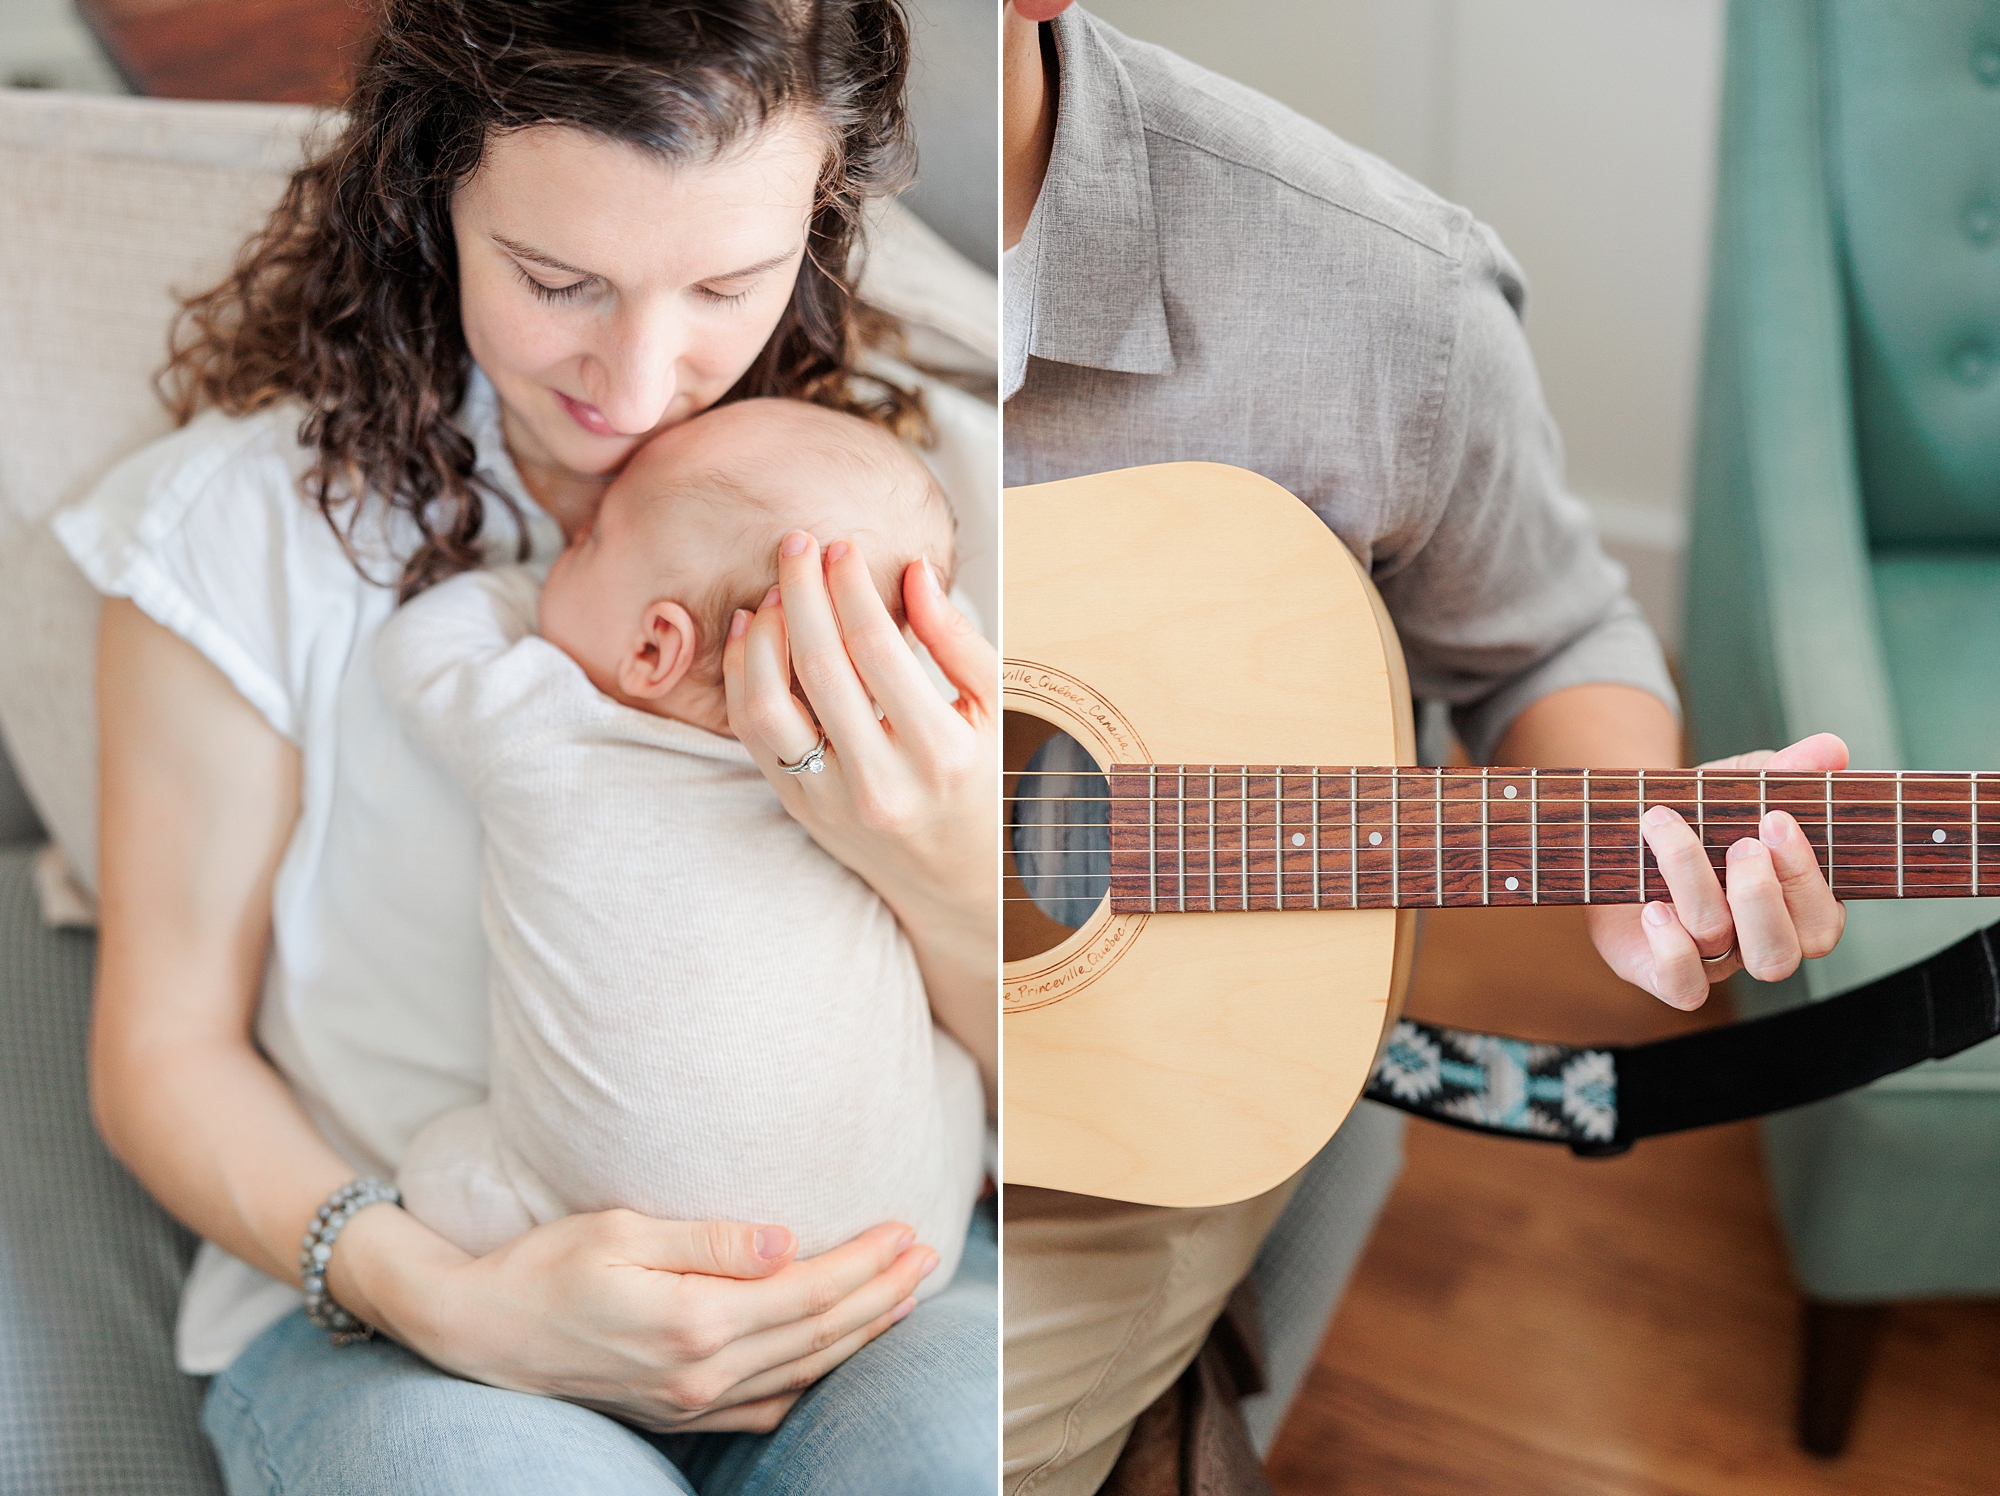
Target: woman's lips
{"x": 589, "y": 417}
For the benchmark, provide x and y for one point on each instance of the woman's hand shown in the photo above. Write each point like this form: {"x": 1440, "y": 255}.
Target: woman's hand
{"x": 666, "y": 1324}
{"x": 907, "y": 799}
{"x": 1775, "y": 909}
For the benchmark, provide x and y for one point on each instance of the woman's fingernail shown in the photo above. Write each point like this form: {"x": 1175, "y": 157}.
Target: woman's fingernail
{"x": 769, "y": 598}
{"x": 1771, "y": 830}
{"x": 903, "y": 1242}
{"x": 929, "y": 1267}
{"x": 739, "y": 621}
{"x": 930, "y": 575}
{"x": 1657, "y": 914}
{"x": 773, "y": 1241}
{"x": 835, "y": 551}
{"x": 795, "y": 544}
{"x": 897, "y": 1314}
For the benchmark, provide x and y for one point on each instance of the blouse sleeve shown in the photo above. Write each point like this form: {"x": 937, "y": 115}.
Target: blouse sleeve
{"x": 208, "y": 533}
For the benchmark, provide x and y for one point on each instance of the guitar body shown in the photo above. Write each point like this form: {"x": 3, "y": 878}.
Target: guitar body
{"x": 1191, "y": 613}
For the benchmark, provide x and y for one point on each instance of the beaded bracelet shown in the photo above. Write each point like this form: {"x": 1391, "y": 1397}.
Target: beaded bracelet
{"x": 340, "y": 1208}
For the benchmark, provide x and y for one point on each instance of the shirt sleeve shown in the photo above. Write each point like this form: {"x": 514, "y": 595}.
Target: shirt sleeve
{"x": 468, "y": 676}
{"x": 1506, "y": 594}
{"x": 204, "y": 531}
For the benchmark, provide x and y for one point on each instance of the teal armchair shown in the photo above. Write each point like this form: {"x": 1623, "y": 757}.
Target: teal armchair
{"x": 1844, "y": 573}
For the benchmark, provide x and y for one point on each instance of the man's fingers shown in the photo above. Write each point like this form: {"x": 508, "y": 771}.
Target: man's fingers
{"x": 1765, "y": 940}
{"x": 1700, "y": 906}
{"x": 1679, "y": 979}
{"x": 1817, "y": 916}
{"x": 1822, "y": 753}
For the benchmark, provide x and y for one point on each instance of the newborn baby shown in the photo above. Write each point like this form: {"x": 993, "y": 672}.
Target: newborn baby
{"x": 696, "y": 1012}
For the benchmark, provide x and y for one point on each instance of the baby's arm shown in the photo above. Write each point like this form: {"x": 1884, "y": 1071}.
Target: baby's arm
{"x": 464, "y": 670}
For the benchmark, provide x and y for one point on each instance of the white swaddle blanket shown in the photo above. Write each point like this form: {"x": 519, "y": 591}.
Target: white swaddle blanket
{"x": 697, "y": 1013}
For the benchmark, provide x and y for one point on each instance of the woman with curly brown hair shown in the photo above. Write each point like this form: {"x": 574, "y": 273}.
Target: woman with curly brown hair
{"x": 547, "y": 232}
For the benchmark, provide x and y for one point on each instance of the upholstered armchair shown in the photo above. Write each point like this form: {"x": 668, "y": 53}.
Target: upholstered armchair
{"x": 1844, "y": 573}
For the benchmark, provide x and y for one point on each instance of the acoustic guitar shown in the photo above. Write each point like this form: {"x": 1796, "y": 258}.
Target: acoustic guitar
{"x": 1216, "y": 837}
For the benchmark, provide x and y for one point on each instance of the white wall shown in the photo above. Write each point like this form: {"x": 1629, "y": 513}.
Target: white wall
{"x": 44, "y": 45}
{"x": 1583, "y": 130}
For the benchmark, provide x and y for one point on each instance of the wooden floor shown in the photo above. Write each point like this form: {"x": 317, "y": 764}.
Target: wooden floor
{"x": 1532, "y": 1324}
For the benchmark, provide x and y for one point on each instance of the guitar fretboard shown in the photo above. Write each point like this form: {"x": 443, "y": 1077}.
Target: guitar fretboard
{"x": 1196, "y": 837}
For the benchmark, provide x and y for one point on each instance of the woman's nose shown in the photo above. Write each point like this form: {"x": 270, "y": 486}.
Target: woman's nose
{"x": 636, "y": 372}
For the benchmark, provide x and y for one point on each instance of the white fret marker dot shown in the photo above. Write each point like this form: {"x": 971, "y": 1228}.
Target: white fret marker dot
{"x": 1512, "y": 884}
{"x": 1509, "y": 792}
{"x": 1374, "y": 838}
{"x": 1938, "y": 835}
{"x": 1298, "y": 838}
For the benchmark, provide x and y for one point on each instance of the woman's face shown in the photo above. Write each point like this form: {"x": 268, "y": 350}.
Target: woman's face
{"x": 609, "y": 295}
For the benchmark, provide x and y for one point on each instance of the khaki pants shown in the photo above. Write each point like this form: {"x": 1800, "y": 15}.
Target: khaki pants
{"x": 1106, "y": 1304}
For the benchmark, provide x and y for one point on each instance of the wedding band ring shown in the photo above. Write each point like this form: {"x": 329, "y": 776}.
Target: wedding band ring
{"x": 812, "y": 761}
{"x": 1718, "y": 960}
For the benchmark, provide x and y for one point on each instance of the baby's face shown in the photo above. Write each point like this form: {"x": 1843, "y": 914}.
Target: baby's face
{"x": 690, "y": 530}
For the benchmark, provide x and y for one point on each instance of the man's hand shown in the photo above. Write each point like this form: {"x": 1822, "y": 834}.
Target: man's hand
{"x": 1774, "y": 910}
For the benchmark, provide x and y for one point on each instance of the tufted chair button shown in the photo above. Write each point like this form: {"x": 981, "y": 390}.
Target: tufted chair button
{"x": 1986, "y": 64}
{"x": 1972, "y": 364}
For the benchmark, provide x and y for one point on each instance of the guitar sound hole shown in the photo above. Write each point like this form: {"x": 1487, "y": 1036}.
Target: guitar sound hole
{"x": 1058, "y": 816}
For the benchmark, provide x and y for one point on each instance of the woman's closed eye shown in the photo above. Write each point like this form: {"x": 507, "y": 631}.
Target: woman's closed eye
{"x": 545, "y": 292}
{"x": 717, "y": 297}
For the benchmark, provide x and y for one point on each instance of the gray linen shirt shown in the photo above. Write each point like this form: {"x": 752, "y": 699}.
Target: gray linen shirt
{"x": 1210, "y": 276}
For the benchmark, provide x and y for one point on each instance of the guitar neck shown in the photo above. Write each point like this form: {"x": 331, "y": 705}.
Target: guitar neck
{"x": 1198, "y": 837}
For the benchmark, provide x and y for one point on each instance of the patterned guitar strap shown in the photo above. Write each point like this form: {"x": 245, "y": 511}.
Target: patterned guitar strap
{"x": 1602, "y": 1101}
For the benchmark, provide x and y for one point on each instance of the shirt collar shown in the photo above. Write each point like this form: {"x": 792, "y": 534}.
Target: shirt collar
{"x": 1084, "y": 283}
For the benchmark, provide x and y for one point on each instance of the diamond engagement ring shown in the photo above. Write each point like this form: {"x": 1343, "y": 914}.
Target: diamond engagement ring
{"x": 813, "y": 761}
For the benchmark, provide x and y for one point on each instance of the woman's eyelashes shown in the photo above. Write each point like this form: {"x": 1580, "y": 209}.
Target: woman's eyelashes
{"x": 546, "y": 292}
{"x": 724, "y": 298}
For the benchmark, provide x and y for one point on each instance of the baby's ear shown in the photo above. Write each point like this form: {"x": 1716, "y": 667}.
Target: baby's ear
{"x": 661, "y": 654}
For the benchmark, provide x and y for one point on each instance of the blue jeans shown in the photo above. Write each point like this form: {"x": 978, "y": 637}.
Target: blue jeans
{"x": 916, "y": 1411}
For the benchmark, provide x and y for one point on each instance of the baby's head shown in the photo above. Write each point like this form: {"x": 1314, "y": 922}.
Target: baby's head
{"x": 689, "y": 533}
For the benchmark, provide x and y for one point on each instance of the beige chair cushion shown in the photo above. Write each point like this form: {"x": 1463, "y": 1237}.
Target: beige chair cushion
{"x": 115, "y": 205}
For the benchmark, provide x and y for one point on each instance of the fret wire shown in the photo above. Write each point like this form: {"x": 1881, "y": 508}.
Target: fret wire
{"x": 1641, "y": 853}
{"x": 1278, "y": 830}
{"x": 1975, "y": 836}
{"x": 1153, "y": 842}
{"x": 1315, "y": 837}
{"x": 1180, "y": 840}
{"x": 1485, "y": 849}
{"x": 1243, "y": 835}
{"x": 1829, "y": 831}
{"x": 1534, "y": 839}
{"x": 1586, "y": 836}
{"x": 1437, "y": 831}
{"x": 1899, "y": 833}
{"x": 1395, "y": 838}
{"x": 1211, "y": 837}
{"x": 1353, "y": 843}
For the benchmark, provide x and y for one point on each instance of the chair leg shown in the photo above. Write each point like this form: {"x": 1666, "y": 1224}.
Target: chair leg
{"x": 1837, "y": 1345}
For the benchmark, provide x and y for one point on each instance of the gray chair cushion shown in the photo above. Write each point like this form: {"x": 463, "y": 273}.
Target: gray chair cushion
{"x": 90, "y": 1267}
